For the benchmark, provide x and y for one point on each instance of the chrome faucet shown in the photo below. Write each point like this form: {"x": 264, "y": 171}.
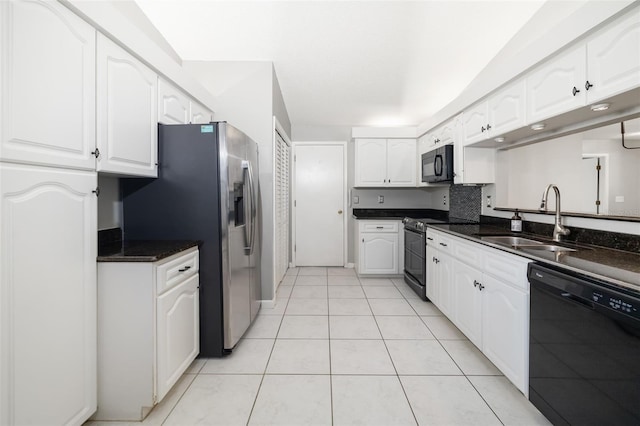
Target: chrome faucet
{"x": 558, "y": 229}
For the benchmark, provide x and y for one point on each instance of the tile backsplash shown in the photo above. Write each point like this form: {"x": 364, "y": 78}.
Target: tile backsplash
{"x": 465, "y": 202}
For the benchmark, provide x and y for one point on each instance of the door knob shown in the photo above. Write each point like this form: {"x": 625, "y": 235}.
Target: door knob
{"x": 339, "y": 211}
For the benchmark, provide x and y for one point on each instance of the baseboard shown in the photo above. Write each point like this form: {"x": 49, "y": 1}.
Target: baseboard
{"x": 268, "y": 304}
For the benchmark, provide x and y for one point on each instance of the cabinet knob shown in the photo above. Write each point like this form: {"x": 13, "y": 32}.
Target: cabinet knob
{"x": 96, "y": 191}
{"x": 339, "y": 211}
{"x": 575, "y": 90}
{"x": 488, "y": 127}
{"x": 480, "y": 286}
{"x": 588, "y": 85}
{"x": 96, "y": 153}
{"x": 483, "y": 129}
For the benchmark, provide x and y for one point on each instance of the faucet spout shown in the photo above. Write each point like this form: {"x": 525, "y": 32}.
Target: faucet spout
{"x": 558, "y": 230}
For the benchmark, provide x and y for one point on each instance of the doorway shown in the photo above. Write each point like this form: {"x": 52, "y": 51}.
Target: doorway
{"x": 319, "y": 203}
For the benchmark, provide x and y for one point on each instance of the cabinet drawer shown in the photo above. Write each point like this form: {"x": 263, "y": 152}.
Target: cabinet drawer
{"x": 432, "y": 238}
{"x": 445, "y": 243}
{"x": 508, "y": 268}
{"x": 469, "y": 253}
{"x": 176, "y": 270}
{"x": 389, "y": 226}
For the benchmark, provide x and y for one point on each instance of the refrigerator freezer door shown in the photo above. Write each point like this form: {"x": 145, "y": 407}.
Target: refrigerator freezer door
{"x": 236, "y": 218}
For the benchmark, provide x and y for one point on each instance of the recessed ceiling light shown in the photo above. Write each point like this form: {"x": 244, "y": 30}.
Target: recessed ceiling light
{"x": 537, "y": 126}
{"x": 499, "y": 140}
{"x": 599, "y": 107}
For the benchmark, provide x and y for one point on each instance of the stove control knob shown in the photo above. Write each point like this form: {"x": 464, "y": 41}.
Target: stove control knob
{"x": 420, "y": 226}
{"x": 405, "y": 220}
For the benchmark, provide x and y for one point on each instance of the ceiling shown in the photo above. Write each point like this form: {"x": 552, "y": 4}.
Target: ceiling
{"x": 349, "y": 63}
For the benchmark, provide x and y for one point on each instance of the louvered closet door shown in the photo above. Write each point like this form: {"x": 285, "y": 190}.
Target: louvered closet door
{"x": 281, "y": 181}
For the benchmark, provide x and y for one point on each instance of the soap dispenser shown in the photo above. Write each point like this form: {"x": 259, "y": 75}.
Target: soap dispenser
{"x": 516, "y": 222}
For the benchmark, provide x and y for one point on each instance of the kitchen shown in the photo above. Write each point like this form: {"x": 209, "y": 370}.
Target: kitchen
{"x": 124, "y": 74}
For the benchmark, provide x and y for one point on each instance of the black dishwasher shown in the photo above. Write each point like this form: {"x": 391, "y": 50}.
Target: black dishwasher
{"x": 584, "y": 354}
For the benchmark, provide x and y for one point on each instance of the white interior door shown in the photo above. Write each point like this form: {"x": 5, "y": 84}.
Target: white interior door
{"x": 319, "y": 204}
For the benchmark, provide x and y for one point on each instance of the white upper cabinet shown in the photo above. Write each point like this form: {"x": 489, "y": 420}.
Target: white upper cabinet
{"x": 474, "y": 123}
{"x": 48, "y": 254}
{"x": 385, "y": 162}
{"x": 401, "y": 162}
{"x": 173, "y": 104}
{"x": 176, "y": 107}
{"x": 199, "y": 113}
{"x": 371, "y": 162}
{"x": 127, "y": 113}
{"x": 47, "y": 93}
{"x": 557, "y": 86}
{"x": 613, "y": 59}
{"x": 506, "y": 109}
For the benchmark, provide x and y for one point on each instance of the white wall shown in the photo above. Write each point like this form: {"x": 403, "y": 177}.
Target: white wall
{"x": 244, "y": 93}
{"x": 109, "y": 203}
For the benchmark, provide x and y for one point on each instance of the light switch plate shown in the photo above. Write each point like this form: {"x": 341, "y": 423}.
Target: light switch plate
{"x": 356, "y": 199}
{"x": 380, "y": 199}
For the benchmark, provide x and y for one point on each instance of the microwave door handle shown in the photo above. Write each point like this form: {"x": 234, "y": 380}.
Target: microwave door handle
{"x": 437, "y": 172}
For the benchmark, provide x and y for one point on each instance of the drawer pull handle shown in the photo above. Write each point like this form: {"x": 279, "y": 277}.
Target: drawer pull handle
{"x": 186, "y": 268}
{"x": 443, "y": 244}
{"x": 379, "y": 227}
{"x": 429, "y": 238}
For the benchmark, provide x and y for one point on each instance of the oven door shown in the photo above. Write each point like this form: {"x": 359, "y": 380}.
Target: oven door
{"x": 414, "y": 255}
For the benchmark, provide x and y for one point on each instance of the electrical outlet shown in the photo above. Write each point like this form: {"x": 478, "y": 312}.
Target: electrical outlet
{"x": 444, "y": 200}
{"x": 356, "y": 199}
{"x": 488, "y": 200}
{"x": 380, "y": 199}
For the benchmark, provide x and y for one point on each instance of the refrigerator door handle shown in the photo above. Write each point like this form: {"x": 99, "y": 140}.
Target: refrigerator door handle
{"x": 253, "y": 209}
{"x": 250, "y": 215}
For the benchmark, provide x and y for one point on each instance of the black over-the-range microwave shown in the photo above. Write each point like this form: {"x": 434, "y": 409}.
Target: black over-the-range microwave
{"x": 437, "y": 165}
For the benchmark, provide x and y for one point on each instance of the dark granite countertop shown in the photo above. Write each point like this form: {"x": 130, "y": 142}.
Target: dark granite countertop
{"x": 142, "y": 251}
{"x": 620, "y": 268}
{"x": 399, "y": 214}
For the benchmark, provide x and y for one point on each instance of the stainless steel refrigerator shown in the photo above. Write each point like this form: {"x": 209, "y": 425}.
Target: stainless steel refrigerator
{"x": 207, "y": 190}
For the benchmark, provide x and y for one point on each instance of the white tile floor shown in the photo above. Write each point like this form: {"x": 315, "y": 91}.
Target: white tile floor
{"x": 341, "y": 350}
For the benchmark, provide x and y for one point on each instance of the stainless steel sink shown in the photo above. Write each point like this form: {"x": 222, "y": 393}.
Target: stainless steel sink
{"x": 525, "y": 243}
{"x": 511, "y": 241}
{"x": 546, "y": 247}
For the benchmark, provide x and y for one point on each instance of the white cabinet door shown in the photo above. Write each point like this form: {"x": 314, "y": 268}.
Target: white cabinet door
{"x": 614, "y": 59}
{"x": 507, "y": 109}
{"x": 48, "y": 85}
{"x": 199, "y": 113}
{"x": 371, "y": 162}
{"x": 379, "y": 253}
{"x": 127, "y": 113}
{"x": 445, "y": 284}
{"x": 474, "y": 123}
{"x": 401, "y": 162}
{"x": 505, "y": 338}
{"x": 178, "y": 335}
{"x": 432, "y": 282}
{"x": 48, "y": 253}
{"x": 468, "y": 301}
{"x": 173, "y": 104}
{"x": 557, "y": 86}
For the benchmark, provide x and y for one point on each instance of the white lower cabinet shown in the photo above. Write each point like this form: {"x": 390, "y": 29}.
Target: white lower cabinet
{"x": 505, "y": 329}
{"x": 148, "y": 332}
{"x": 484, "y": 292}
{"x": 48, "y": 248}
{"x": 379, "y": 247}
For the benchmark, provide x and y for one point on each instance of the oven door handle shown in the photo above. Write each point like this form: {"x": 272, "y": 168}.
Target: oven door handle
{"x": 421, "y": 234}
{"x": 435, "y": 165}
